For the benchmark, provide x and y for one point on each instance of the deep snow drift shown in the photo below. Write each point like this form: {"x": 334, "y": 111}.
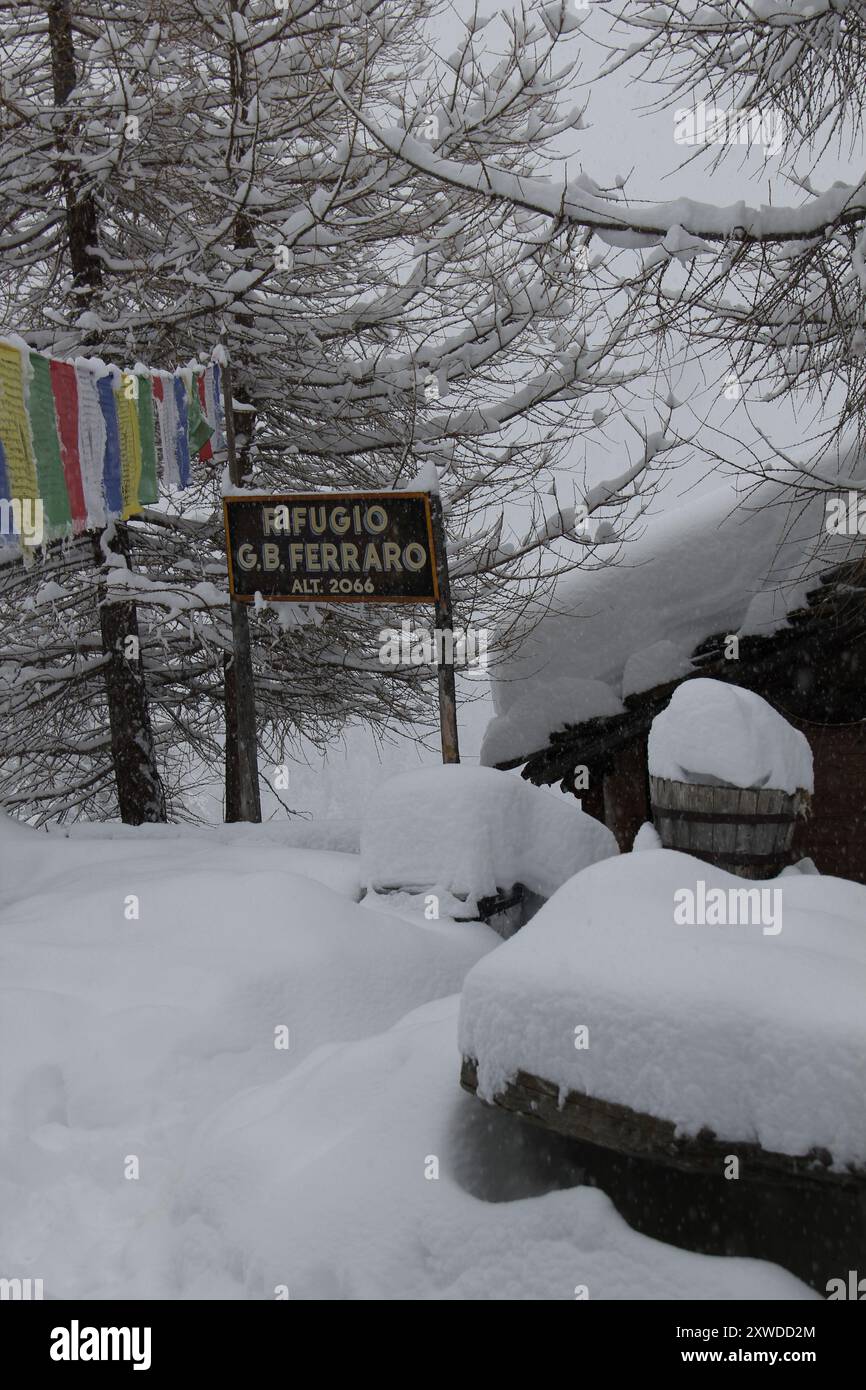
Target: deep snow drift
{"x": 152, "y": 1038}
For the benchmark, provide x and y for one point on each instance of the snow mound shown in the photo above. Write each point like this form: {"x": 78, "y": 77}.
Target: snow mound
{"x": 472, "y": 830}
{"x": 760, "y": 1037}
{"x": 144, "y": 982}
{"x": 715, "y": 733}
{"x": 647, "y": 838}
{"x": 302, "y": 1166}
{"x": 321, "y": 1183}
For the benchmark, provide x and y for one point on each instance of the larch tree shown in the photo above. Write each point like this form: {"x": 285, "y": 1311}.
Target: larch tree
{"x": 223, "y": 171}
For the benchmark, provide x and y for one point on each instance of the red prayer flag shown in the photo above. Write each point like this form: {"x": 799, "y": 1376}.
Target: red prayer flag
{"x": 206, "y": 450}
{"x": 64, "y": 389}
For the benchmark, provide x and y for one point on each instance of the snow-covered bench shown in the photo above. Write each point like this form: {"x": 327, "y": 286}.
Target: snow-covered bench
{"x": 488, "y": 843}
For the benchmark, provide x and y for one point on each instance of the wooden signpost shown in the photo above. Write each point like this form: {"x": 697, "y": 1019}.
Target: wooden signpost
{"x": 243, "y": 799}
{"x": 329, "y": 547}
{"x": 444, "y": 623}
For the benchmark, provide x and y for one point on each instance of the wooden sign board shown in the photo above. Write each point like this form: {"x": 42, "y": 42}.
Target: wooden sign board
{"x": 328, "y": 547}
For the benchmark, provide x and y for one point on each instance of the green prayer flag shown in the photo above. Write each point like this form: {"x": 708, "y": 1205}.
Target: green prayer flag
{"x": 198, "y": 429}
{"x": 148, "y": 492}
{"x": 46, "y": 446}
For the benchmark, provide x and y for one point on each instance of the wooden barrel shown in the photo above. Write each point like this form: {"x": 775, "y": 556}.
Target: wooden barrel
{"x": 746, "y": 832}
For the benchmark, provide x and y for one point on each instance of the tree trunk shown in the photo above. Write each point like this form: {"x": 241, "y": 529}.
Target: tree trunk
{"x": 140, "y": 793}
{"x": 242, "y": 796}
{"x": 82, "y": 228}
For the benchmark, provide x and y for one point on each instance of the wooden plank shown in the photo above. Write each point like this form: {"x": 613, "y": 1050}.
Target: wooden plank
{"x": 725, "y": 832}
{"x": 745, "y": 831}
{"x": 743, "y": 840}
{"x": 630, "y": 1132}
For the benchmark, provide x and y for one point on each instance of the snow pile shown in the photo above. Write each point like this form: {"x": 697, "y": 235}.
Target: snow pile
{"x": 760, "y": 1037}
{"x": 368, "y": 1174}
{"x": 737, "y": 559}
{"x": 346, "y": 1164}
{"x": 646, "y": 838}
{"x": 471, "y": 830}
{"x": 719, "y": 734}
{"x": 23, "y": 857}
{"x": 143, "y": 984}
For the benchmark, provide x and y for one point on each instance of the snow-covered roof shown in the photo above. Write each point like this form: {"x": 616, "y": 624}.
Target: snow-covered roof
{"x": 737, "y": 559}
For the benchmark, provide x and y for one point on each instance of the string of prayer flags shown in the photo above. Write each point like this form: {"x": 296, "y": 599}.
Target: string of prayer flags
{"x": 85, "y": 442}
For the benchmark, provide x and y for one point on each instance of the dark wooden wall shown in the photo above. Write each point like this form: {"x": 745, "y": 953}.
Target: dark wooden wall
{"x": 835, "y": 834}
{"x": 626, "y": 792}
{"x": 592, "y": 796}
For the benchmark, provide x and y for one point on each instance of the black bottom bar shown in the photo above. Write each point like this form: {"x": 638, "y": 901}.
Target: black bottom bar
{"x": 254, "y": 1340}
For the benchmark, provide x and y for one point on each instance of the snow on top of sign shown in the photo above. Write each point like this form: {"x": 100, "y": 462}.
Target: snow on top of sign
{"x": 758, "y": 1037}
{"x": 472, "y": 830}
{"x": 729, "y": 561}
{"x": 712, "y": 731}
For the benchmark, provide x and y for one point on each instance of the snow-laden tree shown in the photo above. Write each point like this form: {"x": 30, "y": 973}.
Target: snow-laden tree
{"x": 221, "y": 170}
{"x": 788, "y": 293}
{"x": 782, "y": 286}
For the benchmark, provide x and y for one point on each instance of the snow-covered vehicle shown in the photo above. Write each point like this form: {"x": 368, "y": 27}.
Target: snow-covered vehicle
{"x": 481, "y": 843}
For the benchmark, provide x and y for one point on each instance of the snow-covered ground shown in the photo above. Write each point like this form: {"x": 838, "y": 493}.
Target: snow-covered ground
{"x": 148, "y": 1044}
